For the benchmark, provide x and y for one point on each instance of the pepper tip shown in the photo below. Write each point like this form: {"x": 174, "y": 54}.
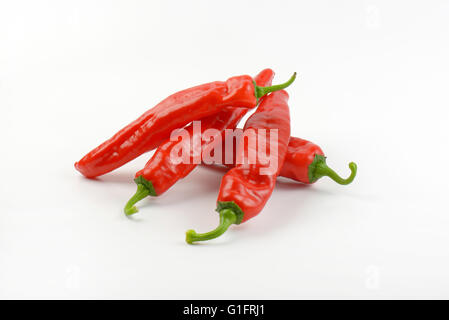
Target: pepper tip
{"x": 190, "y": 234}
{"x": 131, "y": 211}
{"x": 353, "y": 166}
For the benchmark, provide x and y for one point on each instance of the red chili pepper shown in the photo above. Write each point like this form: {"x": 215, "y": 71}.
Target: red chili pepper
{"x": 305, "y": 162}
{"x": 244, "y": 189}
{"x": 154, "y": 126}
{"x": 160, "y": 173}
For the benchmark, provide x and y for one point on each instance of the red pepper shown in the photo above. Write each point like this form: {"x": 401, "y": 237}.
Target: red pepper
{"x": 160, "y": 173}
{"x": 245, "y": 189}
{"x": 154, "y": 126}
{"x": 305, "y": 162}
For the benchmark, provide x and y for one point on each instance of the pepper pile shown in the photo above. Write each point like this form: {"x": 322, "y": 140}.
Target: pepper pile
{"x": 249, "y": 183}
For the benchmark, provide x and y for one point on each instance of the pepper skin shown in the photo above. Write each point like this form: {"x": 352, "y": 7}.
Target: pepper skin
{"x": 244, "y": 189}
{"x": 305, "y": 162}
{"x": 154, "y": 126}
{"x": 160, "y": 173}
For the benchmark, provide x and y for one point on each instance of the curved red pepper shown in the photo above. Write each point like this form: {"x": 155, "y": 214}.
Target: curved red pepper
{"x": 160, "y": 173}
{"x": 244, "y": 190}
{"x": 154, "y": 126}
{"x": 305, "y": 162}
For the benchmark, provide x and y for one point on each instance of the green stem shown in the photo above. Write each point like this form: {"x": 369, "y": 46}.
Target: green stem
{"x": 227, "y": 217}
{"x": 141, "y": 193}
{"x": 261, "y": 91}
{"x": 323, "y": 170}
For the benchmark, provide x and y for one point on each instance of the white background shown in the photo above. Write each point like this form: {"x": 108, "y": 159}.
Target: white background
{"x": 372, "y": 88}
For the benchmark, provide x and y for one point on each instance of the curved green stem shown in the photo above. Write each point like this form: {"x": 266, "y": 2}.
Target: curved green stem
{"x": 141, "y": 193}
{"x": 323, "y": 170}
{"x": 227, "y": 217}
{"x": 261, "y": 91}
